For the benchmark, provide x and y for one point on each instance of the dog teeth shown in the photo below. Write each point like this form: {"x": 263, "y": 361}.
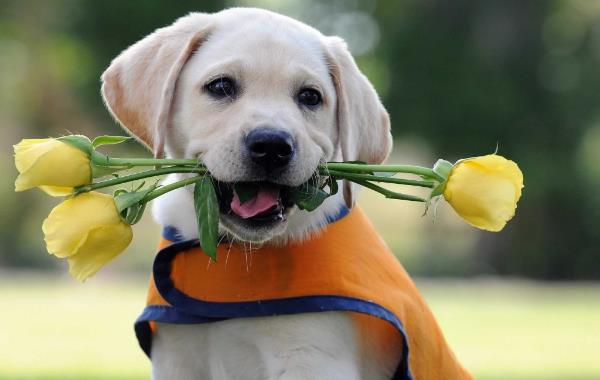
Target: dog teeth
{"x": 280, "y": 215}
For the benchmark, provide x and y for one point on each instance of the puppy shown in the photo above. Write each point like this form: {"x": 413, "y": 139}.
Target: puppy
{"x": 261, "y": 98}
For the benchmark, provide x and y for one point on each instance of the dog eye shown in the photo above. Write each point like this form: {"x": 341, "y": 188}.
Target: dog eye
{"x": 309, "y": 97}
{"x": 221, "y": 88}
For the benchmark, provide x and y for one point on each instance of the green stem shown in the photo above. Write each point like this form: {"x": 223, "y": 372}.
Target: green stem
{"x": 102, "y": 160}
{"x": 165, "y": 189}
{"x": 138, "y": 176}
{"x": 362, "y": 168}
{"x": 359, "y": 173}
{"x": 390, "y": 194}
{"x": 369, "y": 177}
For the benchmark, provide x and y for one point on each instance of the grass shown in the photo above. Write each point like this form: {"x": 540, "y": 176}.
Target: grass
{"x": 521, "y": 330}
{"x": 53, "y": 328}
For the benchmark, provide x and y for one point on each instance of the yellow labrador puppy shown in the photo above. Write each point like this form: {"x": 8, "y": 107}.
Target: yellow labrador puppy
{"x": 260, "y": 98}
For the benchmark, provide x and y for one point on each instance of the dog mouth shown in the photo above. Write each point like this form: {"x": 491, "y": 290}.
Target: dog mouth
{"x": 254, "y": 204}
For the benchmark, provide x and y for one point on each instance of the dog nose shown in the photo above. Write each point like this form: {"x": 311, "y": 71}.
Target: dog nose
{"x": 269, "y": 147}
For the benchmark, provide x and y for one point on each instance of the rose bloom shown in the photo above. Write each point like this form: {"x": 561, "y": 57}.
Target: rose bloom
{"x": 88, "y": 231}
{"x": 485, "y": 190}
{"x": 52, "y": 165}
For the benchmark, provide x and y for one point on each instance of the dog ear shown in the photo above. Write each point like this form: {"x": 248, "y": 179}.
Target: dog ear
{"x": 363, "y": 123}
{"x": 139, "y": 84}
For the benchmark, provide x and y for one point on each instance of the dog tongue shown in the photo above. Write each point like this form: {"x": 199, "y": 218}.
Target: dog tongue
{"x": 265, "y": 199}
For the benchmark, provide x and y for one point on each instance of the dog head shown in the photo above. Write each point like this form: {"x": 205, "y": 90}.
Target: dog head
{"x": 261, "y": 99}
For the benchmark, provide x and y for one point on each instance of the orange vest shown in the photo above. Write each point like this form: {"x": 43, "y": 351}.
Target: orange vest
{"x": 347, "y": 267}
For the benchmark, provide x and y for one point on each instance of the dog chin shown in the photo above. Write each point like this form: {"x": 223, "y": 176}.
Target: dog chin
{"x": 247, "y": 231}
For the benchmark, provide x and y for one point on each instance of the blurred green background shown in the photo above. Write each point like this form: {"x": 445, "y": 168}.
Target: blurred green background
{"x": 458, "y": 78}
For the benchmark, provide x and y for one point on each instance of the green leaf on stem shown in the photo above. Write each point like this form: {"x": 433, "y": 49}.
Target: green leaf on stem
{"x": 207, "y": 214}
{"x": 125, "y": 199}
{"x": 131, "y": 204}
{"x": 109, "y": 140}
{"x": 307, "y": 196}
{"x": 333, "y": 186}
{"x": 135, "y": 213}
{"x": 245, "y": 191}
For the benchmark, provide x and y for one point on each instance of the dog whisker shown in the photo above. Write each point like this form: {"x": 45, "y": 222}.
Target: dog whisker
{"x": 250, "y": 253}
{"x": 228, "y": 252}
{"x": 246, "y": 257}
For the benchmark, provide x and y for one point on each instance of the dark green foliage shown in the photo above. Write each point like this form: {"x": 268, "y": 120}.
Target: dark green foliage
{"x": 307, "y": 196}
{"x": 467, "y": 75}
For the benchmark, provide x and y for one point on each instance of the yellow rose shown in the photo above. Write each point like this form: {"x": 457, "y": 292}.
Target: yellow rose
{"x": 53, "y": 165}
{"x": 88, "y": 231}
{"x": 485, "y": 190}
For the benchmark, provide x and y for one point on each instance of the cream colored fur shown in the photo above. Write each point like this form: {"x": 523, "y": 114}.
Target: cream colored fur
{"x": 155, "y": 90}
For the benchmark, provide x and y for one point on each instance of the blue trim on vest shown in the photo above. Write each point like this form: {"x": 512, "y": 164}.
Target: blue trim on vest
{"x": 168, "y": 314}
{"x": 190, "y": 310}
{"x": 342, "y": 212}
{"x": 172, "y": 233}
